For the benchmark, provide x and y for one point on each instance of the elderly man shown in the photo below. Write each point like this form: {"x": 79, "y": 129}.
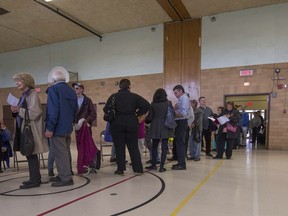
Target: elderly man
{"x": 60, "y": 114}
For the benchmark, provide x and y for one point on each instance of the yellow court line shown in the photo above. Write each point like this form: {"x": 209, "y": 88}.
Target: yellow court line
{"x": 183, "y": 203}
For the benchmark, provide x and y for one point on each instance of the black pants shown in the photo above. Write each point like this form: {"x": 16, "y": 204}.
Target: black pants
{"x": 222, "y": 139}
{"x": 34, "y": 168}
{"x": 206, "y": 133}
{"x": 126, "y": 135}
{"x": 164, "y": 145}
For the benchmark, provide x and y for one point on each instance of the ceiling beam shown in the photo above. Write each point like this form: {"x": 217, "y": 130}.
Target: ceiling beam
{"x": 181, "y": 9}
{"x": 168, "y": 8}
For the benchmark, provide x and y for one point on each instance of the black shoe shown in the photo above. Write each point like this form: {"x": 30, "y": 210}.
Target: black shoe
{"x": 217, "y": 157}
{"x": 158, "y": 162}
{"x": 112, "y": 160}
{"x": 171, "y": 159}
{"x": 151, "y": 167}
{"x": 179, "y": 168}
{"x": 162, "y": 170}
{"x": 191, "y": 158}
{"x": 27, "y": 182}
{"x": 117, "y": 172}
{"x": 31, "y": 185}
{"x": 228, "y": 158}
{"x": 197, "y": 159}
{"x": 51, "y": 173}
{"x": 209, "y": 155}
{"x": 55, "y": 179}
{"x": 149, "y": 161}
{"x": 63, "y": 183}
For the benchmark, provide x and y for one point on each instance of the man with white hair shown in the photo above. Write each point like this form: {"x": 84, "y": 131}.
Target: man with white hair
{"x": 60, "y": 114}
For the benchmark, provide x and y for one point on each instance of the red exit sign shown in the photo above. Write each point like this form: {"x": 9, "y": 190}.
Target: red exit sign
{"x": 248, "y": 72}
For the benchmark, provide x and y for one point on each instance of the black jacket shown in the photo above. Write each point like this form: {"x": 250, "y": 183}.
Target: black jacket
{"x": 128, "y": 107}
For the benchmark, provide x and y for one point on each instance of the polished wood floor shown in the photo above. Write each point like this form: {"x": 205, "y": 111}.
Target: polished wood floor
{"x": 252, "y": 183}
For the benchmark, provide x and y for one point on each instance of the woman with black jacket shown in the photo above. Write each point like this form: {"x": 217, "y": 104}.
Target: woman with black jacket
{"x": 225, "y": 134}
{"x": 124, "y": 128}
{"x": 157, "y": 130}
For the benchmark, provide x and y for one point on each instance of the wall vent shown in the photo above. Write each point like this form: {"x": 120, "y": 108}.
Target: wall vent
{"x": 3, "y": 11}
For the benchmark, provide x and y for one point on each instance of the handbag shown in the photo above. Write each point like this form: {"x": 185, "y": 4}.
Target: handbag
{"x": 27, "y": 140}
{"x": 110, "y": 115}
{"x": 231, "y": 128}
{"x": 170, "y": 118}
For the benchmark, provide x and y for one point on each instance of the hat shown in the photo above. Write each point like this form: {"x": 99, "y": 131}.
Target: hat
{"x": 77, "y": 84}
{"x": 62, "y": 70}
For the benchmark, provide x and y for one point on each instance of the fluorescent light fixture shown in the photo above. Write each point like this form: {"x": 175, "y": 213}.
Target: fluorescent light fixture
{"x": 47, "y": 0}
{"x": 246, "y": 83}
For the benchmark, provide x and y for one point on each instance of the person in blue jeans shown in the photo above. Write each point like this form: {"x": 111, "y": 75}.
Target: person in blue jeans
{"x": 196, "y": 133}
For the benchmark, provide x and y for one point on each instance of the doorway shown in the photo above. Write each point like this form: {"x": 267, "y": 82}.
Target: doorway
{"x": 253, "y": 103}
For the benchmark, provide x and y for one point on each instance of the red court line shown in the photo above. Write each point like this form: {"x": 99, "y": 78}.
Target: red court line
{"x": 83, "y": 197}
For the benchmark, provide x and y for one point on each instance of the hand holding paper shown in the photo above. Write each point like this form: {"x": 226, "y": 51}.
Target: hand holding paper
{"x": 12, "y": 100}
{"x": 223, "y": 119}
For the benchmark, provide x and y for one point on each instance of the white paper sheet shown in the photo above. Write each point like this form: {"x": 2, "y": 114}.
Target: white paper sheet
{"x": 12, "y": 100}
{"x": 223, "y": 119}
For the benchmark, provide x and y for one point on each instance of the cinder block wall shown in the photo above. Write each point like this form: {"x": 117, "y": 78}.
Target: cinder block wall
{"x": 215, "y": 83}
{"x": 99, "y": 90}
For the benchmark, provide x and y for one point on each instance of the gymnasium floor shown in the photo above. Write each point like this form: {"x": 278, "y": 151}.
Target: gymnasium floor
{"x": 252, "y": 183}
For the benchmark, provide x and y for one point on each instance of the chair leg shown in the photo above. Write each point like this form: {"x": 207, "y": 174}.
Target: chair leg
{"x": 40, "y": 156}
{"x": 16, "y": 160}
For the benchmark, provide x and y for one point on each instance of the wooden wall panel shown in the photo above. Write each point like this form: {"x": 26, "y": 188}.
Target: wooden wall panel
{"x": 182, "y": 55}
{"x": 172, "y": 57}
{"x": 191, "y": 57}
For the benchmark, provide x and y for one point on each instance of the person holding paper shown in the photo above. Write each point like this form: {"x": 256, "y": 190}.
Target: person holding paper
{"x": 30, "y": 102}
{"x": 226, "y": 132}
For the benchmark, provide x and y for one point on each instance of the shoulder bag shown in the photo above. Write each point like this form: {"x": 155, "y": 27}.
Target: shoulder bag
{"x": 110, "y": 115}
{"x": 27, "y": 140}
{"x": 170, "y": 118}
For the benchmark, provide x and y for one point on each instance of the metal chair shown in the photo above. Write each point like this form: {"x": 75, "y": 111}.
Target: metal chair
{"x": 103, "y": 144}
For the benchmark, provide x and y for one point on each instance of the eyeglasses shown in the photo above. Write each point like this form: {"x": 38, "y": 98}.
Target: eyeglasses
{"x": 76, "y": 88}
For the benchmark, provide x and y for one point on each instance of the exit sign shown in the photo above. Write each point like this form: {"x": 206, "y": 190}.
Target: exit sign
{"x": 248, "y": 72}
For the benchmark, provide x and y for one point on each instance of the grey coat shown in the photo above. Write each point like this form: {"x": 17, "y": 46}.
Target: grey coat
{"x": 157, "y": 128}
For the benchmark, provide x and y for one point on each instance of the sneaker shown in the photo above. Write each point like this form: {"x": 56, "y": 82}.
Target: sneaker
{"x": 197, "y": 159}
{"x": 191, "y": 158}
{"x": 209, "y": 155}
{"x": 63, "y": 183}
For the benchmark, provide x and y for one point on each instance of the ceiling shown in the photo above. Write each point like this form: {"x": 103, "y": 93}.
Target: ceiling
{"x": 29, "y": 23}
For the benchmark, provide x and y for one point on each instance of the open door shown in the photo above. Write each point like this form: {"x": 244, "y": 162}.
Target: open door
{"x": 252, "y": 103}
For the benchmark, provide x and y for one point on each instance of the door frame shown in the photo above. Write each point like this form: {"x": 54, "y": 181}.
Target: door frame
{"x": 268, "y": 96}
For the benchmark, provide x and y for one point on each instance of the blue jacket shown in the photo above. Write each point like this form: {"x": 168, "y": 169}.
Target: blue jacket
{"x": 61, "y": 109}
